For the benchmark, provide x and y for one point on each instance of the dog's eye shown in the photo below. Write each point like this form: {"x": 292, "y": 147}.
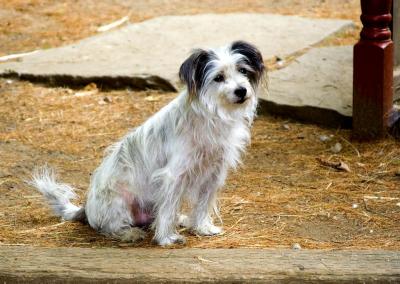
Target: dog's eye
{"x": 243, "y": 71}
{"x": 219, "y": 78}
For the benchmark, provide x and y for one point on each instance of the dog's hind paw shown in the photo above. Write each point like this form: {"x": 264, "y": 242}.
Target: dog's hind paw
{"x": 131, "y": 235}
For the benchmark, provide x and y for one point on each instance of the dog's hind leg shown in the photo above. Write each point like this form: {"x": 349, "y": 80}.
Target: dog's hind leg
{"x": 113, "y": 218}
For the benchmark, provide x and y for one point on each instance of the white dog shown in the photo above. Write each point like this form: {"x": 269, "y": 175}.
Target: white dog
{"x": 183, "y": 152}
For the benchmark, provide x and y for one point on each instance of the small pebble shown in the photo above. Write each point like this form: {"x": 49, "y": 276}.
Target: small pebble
{"x": 301, "y": 267}
{"x": 355, "y": 205}
{"x": 325, "y": 138}
{"x": 9, "y": 81}
{"x": 398, "y": 204}
{"x": 286, "y": 126}
{"x": 336, "y": 148}
{"x": 371, "y": 231}
{"x": 296, "y": 246}
{"x": 280, "y": 63}
{"x": 107, "y": 99}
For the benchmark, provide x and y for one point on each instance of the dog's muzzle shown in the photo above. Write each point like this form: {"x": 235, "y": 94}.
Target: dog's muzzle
{"x": 241, "y": 94}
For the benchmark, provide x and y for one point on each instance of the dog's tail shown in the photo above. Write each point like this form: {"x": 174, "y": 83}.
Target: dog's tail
{"x": 58, "y": 195}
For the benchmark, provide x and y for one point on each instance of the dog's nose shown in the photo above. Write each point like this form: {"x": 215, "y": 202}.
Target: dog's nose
{"x": 240, "y": 92}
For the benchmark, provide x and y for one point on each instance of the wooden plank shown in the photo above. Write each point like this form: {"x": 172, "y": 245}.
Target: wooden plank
{"x": 373, "y": 72}
{"x": 84, "y": 265}
{"x": 396, "y": 31}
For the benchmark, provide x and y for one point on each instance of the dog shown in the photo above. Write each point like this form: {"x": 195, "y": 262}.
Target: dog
{"x": 181, "y": 153}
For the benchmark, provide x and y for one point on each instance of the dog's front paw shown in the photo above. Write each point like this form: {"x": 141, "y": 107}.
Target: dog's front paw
{"x": 171, "y": 240}
{"x": 184, "y": 221}
{"x": 208, "y": 230}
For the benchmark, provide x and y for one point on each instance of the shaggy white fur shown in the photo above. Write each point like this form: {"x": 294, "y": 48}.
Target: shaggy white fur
{"x": 183, "y": 152}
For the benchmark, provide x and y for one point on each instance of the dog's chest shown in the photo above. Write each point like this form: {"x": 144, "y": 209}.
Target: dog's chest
{"x": 213, "y": 148}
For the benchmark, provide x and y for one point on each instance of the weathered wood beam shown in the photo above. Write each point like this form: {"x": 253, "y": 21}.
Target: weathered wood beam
{"x": 373, "y": 72}
{"x": 135, "y": 265}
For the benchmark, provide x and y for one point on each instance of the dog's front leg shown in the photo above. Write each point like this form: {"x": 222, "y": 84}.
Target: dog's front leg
{"x": 168, "y": 203}
{"x": 200, "y": 220}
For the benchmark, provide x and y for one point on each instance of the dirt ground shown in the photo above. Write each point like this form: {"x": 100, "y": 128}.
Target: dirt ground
{"x": 281, "y": 196}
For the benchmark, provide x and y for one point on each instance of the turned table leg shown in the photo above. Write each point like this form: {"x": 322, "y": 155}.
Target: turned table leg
{"x": 373, "y": 72}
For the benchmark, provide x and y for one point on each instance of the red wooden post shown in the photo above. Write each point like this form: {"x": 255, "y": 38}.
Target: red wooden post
{"x": 373, "y": 72}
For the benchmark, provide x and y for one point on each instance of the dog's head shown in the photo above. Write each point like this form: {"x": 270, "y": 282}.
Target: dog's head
{"x": 227, "y": 77}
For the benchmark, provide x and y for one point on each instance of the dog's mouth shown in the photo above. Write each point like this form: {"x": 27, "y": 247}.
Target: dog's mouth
{"x": 241, "y": 100}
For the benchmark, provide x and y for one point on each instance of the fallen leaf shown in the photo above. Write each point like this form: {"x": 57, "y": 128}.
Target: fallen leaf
{"x": 344, "y": 167}
{"x": 340, "y": 166}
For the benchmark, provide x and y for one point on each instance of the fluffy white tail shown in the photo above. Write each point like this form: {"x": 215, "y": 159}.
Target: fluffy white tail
{"x": 58, "y": 195}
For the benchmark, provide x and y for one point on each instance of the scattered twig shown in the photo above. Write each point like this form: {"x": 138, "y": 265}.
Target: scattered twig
{"x": 17, "y": 55}
{"x": 237, "y": 222}
{"x": 351, "y": 145}
{"x": 328, "y": 186}
{"x": 113, "y": 24}
{"x": 5, "y": 244}
{"x": 380, "y": 198}
{"x": 83, "y": 94}
{"x": 204, "y": 260}
{"x": 366, "y": 206}
{"x": 41, "y": 228}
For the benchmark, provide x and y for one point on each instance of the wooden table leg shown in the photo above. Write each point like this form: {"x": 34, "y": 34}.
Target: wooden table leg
{"x": 373, "y": 72}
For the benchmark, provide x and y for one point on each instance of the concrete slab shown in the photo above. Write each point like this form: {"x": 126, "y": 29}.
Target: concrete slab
{"x": 316, "y": 87}
{"x": 148, "y": 54}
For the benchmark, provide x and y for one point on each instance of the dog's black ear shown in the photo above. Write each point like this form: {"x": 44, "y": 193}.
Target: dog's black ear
{"x": 252, "y": 56}
{"x": 193, "y": 70}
